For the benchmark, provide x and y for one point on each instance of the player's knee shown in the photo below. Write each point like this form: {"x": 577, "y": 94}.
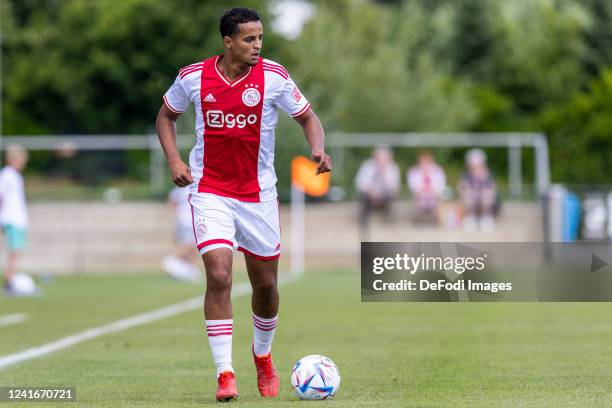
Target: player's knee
{"x": 265, "y": 286}
{"x": 219, "y": 279}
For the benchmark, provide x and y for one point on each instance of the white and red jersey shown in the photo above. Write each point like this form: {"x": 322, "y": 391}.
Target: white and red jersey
{"x": 235, "y": 121}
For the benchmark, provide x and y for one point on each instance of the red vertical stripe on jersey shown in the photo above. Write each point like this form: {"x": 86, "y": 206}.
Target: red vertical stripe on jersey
{"x": 231, "y": 132}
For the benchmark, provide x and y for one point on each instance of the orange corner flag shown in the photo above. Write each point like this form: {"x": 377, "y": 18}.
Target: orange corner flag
{"x": 304, "y": 176}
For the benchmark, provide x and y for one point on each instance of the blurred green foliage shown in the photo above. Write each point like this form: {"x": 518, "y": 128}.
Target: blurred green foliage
{"x": 82, "y": 66}
{"x": 101, "y": 66}
{"x": 381, "y": 74}
{"x": 581, "y": 133}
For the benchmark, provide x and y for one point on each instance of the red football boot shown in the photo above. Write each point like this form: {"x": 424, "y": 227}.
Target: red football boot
{"x": 226, "y": 388}
{"x": 267, "y": 379}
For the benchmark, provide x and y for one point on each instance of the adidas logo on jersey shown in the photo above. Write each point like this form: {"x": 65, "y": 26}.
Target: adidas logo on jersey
{"x": 209, "y": 98}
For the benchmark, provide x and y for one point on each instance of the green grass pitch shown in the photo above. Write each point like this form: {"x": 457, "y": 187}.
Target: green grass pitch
{"x": 389, "y": 354}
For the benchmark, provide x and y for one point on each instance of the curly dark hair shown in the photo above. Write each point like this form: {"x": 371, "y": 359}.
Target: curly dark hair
{"x": 228, "y": 23}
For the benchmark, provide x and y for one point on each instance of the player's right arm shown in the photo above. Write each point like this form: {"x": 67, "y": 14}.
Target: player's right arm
{"x": 176, "y": 101}
{"x": 166, "y": 131}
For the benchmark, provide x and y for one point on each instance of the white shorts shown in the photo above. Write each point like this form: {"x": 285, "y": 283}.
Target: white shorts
{"x": 222, "y": 222}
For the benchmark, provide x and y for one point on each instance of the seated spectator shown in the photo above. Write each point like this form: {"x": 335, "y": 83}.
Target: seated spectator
{"x": 478, "y": 192}
{"x": 426, "y": 182}
{"x": 378, "y": 182}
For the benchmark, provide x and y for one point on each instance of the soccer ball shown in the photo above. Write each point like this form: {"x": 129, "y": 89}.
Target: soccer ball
{"x": 22, "y": 284}
{"x": 315, "y": 378}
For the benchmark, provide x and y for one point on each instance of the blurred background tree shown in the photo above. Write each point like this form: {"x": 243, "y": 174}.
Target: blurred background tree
{"x": 81, "y": 66}
{"x": 580, "y": 134}
{"x": 94, "y": 67}
{"x": 370, "y": 68}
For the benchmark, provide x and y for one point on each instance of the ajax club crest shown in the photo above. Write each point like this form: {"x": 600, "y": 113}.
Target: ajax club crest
{"x": 201, "y": 229}
{"x": 251, "y": 96}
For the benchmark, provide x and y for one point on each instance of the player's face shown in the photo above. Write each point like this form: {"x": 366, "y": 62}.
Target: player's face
{"x": 246, "y": 43}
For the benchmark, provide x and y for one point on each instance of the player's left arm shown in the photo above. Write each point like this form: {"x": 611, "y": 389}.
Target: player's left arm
{"x": 313, "y": 130}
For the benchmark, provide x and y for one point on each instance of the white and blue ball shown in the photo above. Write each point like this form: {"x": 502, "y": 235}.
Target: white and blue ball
{"x": 22, "y": 284}
{"x": 315, "y": 378}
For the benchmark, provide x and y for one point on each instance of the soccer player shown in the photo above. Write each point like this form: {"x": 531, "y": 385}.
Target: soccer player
{"x": 13, "y": 214}
{"x": 233, "y": 183}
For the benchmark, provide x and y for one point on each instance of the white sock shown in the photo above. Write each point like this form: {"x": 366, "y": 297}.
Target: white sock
{"x": 263, "y": 334}
{"x": 220, "y": 341}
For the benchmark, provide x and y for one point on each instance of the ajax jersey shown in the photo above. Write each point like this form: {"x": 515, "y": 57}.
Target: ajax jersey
{"x": 234, "y": 151}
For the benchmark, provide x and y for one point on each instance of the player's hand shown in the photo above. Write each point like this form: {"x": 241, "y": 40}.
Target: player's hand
{"x": 181, "y": 174}
{"x": 324, "y": 160}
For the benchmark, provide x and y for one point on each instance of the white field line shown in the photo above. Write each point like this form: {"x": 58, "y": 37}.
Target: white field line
{"x": 13, "y": 319}
{"x": 239, "y": 290}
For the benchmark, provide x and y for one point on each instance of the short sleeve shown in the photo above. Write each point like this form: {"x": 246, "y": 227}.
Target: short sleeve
{"x": 176, "y": 99}
{"x": 291, "y": 99}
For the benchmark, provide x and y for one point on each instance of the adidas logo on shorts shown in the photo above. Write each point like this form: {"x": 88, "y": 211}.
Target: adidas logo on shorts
{"x": 210, "y": 98}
